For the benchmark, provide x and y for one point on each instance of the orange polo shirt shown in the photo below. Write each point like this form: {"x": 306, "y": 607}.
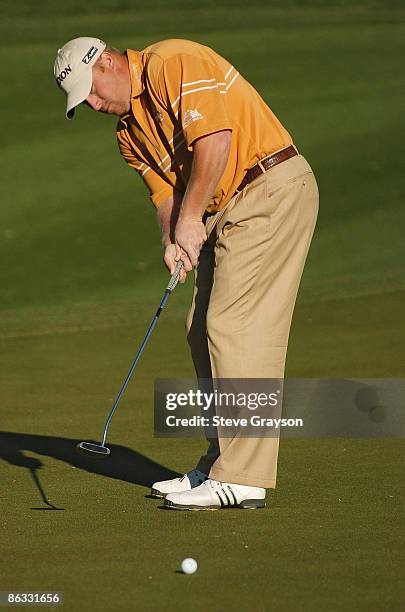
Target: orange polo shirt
{"x": 181, "y": 91}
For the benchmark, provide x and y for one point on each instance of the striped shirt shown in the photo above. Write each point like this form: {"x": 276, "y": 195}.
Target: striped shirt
{"x": 181, "y": 91}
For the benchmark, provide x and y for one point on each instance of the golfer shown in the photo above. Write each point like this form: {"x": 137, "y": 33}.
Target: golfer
{"x": 235, "y": 201}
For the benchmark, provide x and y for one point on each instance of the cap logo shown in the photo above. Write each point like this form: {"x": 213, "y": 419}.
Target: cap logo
{"x": 62, "y": 76}
{"x": 89, "y": 55}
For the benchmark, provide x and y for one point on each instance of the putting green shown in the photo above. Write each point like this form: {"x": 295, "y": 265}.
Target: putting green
{"x": 81, "y": 276}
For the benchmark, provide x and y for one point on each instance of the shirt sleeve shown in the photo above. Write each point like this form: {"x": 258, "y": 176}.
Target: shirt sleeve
{"x": 159, "y": 189}
{"x": 193, "y": 89}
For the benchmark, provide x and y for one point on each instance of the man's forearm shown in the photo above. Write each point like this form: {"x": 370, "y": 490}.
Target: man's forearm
{"x": 210, "y": 156}
{"x": 167, "y": 215}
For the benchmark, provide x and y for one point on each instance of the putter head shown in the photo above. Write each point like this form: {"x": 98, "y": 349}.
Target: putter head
{"x": 93, "y": 450}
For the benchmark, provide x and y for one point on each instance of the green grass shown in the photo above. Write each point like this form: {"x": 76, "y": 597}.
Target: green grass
{"x": 80, "y": 278}
{"x": 331, "y": 535}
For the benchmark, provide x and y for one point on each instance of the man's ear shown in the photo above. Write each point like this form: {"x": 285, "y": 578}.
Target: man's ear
{"x": 105, "y": 61}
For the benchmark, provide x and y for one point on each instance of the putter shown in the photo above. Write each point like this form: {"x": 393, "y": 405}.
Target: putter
{"x": 100, "y": 450}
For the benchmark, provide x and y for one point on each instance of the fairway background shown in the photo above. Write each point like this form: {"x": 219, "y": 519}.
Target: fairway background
{"x": 81, "y": 275}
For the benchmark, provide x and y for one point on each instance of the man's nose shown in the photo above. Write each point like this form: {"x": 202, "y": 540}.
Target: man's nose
{"x": 94, "y": 102}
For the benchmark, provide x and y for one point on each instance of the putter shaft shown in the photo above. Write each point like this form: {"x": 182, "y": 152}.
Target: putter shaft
{"x": 171, "y": 285}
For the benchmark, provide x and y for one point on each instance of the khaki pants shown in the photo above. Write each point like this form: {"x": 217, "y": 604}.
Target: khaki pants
{"x": 246, "y": 285}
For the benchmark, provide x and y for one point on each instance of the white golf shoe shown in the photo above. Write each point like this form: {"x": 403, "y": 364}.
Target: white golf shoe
{"x": 177, "y": 485}
{"x": 213, "y": 495}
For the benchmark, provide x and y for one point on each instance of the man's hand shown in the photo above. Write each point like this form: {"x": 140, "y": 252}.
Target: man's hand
{"x": 172, "y": 254}
{"x": 190, "y": 235}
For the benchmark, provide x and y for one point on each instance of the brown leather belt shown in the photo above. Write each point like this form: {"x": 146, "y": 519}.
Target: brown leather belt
{"x": 265, "y": 164}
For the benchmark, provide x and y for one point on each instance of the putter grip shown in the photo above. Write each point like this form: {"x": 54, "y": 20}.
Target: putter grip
{"x": 175, "y": 276}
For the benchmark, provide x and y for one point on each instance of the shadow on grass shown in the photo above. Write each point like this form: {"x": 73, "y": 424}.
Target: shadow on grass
{"x": 48, "y": 504}
{"x": 123, "y": 463}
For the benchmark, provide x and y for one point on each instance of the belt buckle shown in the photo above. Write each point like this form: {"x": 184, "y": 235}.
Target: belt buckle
{"x": 262, "y": 168}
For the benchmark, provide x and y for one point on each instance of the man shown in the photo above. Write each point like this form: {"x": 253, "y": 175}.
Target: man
{"x": 234, "y": 200}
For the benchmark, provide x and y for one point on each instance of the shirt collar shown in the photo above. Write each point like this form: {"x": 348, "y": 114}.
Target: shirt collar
{"x": 135, "y": 72}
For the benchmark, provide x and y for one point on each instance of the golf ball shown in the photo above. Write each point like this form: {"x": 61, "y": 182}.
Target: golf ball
{"x": 189, "y": 566}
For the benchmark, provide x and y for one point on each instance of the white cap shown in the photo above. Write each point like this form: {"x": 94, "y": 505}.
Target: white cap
{"x": 72, "y": 69}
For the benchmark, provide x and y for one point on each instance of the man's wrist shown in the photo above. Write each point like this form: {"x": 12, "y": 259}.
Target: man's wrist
{"x": 166, "y": 241}
{"x": 192, "y": 208}
{"x": 190, "y": 216}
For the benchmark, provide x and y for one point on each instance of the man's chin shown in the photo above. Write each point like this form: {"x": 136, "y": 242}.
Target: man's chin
{"x": 114, "y": 109}
{"x": 124, "y": 111}
{"x": 119, "y": 112}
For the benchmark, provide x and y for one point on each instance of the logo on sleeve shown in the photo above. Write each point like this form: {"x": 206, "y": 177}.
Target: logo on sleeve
{"x": 190, "y": 116}
{"x": 89, "y": 55}
{"x": 62, "y": 76}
